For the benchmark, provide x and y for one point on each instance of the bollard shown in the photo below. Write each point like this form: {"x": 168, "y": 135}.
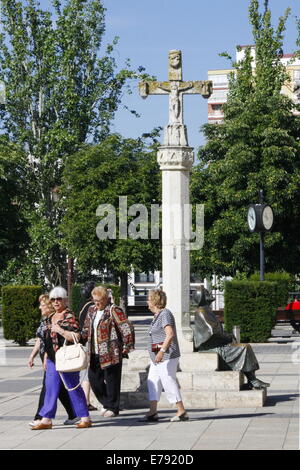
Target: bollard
{"x": 236, "y": 331}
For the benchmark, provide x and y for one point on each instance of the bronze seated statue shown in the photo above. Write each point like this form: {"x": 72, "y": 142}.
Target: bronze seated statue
{"x": 209, "y": 335}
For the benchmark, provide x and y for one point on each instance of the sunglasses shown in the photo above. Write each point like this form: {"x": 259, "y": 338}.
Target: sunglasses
{"x": 57, "y": 298}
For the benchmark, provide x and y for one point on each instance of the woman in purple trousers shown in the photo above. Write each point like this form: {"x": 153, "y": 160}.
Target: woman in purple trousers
{"x": 60, "y": 327}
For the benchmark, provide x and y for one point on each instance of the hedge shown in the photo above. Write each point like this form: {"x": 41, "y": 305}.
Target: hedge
{"x": 250, "y": 305}
{"x": 285, "y": 284}
{"x": 77, "y": 300}
{"x": 20, "y": 312}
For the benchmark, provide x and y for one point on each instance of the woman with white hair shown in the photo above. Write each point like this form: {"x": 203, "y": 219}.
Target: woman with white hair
{"x": 61, "y": 326}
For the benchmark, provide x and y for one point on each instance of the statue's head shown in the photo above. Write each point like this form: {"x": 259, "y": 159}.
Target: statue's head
{"x": 175, "y": 65}
{"x": 202, "y": 297}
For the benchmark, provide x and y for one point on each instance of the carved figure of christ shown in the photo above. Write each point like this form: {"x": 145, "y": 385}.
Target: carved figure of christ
{"x": 175, "y": 90}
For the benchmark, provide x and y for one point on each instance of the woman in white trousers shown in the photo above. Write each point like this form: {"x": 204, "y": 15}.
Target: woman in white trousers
{"x": 164, "y": 353}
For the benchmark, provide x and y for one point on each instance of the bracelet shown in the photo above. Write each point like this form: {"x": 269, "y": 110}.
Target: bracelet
{"x": 163, "y": 350}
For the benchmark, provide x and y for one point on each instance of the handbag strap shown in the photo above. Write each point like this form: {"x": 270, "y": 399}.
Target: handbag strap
{"x": 74, "y": 339}
{"x": 61, "y": 376}
{"x": 74, "y": 388}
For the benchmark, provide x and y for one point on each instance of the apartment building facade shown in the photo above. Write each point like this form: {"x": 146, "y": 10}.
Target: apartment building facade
{"x": 220, "y": 79}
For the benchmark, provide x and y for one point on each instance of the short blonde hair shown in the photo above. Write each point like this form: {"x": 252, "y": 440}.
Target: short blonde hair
{"x": 158, "y": 298}
{"x": 100, "y": 291}
{"x": 46, "y": 299}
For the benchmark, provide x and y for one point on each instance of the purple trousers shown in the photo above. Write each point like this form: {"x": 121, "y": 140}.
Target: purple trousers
{"x": 53, "y": 384}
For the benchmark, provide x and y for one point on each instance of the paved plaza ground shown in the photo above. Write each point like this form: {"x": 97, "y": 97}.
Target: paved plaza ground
{"x": 275, "y": 426}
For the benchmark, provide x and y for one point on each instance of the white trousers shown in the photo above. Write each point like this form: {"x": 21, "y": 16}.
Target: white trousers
{"x": 163, "y": 376}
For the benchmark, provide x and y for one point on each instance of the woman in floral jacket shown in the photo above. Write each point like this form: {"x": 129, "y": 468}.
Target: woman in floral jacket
{"x": 110, "y": 337}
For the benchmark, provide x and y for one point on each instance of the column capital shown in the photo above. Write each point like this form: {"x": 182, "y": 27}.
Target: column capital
{"x": 175, "y": 157}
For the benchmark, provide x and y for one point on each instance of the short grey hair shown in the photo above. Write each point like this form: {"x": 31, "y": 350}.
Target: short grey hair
{"x": 58, "y": 292}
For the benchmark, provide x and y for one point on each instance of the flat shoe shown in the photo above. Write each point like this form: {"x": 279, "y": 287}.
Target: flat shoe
{"x": 183, "y": 417}
{"x": 150, "y": 418}
{"x": 84, "y": 424}
{"x": 41, "y": 426}
{"x": 34, "y": 423}
{"x": 70, "y": 422}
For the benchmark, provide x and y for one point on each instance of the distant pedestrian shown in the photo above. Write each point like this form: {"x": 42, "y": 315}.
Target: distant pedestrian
{"x": 109, "y": 336}
{"x": 292, "y": 306}
{"x": 61, "y": 326}
{"x": 39, "y": 348}
{"x": 86, "y": 293}
{"x": 164, "y": 354}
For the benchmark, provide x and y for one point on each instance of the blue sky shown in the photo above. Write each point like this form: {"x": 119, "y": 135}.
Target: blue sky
{"x": 201, "y": 29}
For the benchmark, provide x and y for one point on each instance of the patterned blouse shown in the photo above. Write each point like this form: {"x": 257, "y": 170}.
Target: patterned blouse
{"x": 40, "y": 333}
{"x": 53, "y": 340}
{"x": 115, "y": 335}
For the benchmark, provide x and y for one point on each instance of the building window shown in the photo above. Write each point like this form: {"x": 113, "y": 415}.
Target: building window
{"x": 144, "y": 277}
{"x": 218, "y": 96}
{"x": 216, "y": 110}
{"x": 297, "y": 75}
{"x": 219, "y": 80}
{"x": 140, "y": 297}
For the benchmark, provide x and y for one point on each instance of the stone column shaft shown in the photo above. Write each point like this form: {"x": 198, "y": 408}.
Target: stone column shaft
{"x": 175, "y": 163}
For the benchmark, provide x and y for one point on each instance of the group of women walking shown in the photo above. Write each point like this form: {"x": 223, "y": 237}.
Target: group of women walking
{"x": 109, "y": 337}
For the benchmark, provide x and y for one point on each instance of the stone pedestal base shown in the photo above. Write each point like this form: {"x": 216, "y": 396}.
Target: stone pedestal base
{"x": 202, "y": 385}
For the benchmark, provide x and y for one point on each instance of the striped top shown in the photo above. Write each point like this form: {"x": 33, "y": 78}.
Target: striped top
{"x": 157, "y": 334}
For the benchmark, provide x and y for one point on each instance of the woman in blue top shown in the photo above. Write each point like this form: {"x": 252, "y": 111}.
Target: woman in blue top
{"x": 164, "y": 353}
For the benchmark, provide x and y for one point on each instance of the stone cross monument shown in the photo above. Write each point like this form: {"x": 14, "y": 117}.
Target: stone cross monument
{"x": 176, "y": 158}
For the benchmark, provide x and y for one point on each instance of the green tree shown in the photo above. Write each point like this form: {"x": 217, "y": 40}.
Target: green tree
{"x": 256, "y": 147}
{"x": 13, "y": 236}
{"x": 100, "y": 175}
{"x": 62, "y": 89}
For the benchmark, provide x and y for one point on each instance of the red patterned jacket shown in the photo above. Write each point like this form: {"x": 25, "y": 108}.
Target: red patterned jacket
{"x": 115, "y": 334}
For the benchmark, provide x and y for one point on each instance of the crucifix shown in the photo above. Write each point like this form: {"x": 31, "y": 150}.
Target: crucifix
{"x": 175, "y": 133}
{"x": 176, "y": 158}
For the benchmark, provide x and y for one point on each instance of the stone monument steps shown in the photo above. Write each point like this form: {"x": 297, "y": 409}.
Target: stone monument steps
{"x": 197, "y": 399}
{"x": 216, "y": 380}
{"x": 202, "y": 384}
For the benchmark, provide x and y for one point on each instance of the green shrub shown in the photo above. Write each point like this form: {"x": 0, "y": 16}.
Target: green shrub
{"x": 20, "y": 312}
{"x": 77, "y": 301}
{"x": 285, "y": 284}
{"x": 250, "y": 305}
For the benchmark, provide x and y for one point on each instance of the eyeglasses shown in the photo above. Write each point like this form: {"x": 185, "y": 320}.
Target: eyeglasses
{"x": 57, "y": 298}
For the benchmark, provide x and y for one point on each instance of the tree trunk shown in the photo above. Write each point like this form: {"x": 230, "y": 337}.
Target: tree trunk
{"x": 124, "y": 291}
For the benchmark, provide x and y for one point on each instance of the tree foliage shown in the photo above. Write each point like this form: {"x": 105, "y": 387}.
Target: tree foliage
{"x": 100, "y": 175}
{"x": 256, "y": 147}
{"x": 13, "y": 236}
{"x": 62, "y": 89}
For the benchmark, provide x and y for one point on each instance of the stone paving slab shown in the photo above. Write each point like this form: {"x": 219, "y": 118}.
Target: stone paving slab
{"x": 274, "y": 426}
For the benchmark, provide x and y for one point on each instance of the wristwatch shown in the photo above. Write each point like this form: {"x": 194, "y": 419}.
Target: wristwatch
{"x": 163, "y": 350}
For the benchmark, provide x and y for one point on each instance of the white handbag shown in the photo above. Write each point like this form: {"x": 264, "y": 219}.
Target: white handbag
{"x": 72, "y": 358}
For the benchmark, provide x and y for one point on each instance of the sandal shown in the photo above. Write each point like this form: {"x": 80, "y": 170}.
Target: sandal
{"x": 183, "y": 417}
